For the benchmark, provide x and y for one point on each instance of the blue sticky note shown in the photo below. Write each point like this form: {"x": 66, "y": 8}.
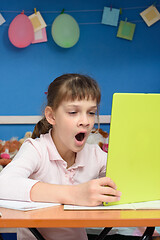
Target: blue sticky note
{"x": 110, "y": 16}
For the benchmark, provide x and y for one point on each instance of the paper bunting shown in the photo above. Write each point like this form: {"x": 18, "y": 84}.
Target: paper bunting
{"x": 126, "y": 30}
{"x": 150, "y": 15}
{"x": 110, "y": 16}
{"x": 37, "y": 21}
{"x": 40, "y": 36}
{"x": 2, "y": 20}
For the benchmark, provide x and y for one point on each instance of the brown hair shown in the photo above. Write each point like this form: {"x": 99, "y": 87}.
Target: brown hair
{"x": 65, "y": 88}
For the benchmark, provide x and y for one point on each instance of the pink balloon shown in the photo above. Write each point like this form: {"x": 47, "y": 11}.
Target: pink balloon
{"x": 20, "y": 32}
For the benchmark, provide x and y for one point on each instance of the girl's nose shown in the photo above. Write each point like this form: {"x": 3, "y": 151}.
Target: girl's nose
{"x": 83, "y": 121}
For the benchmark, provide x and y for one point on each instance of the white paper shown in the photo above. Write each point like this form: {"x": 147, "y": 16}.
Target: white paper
{"x": 25, "y": 206}
{"x": 132, "y": 206}
{"x": 2, "y": 20}
{"x": 37, "y": 21}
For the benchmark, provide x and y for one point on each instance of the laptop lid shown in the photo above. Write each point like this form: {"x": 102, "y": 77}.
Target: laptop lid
{"x": 134, "y": 146}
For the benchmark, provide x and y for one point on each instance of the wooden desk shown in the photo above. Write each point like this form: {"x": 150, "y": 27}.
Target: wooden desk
{"x": 57, "y": 217}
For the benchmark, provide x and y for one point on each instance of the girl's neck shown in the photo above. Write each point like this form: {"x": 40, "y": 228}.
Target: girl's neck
{"x": 70, "y": 160}
{"x": 67, "y": 155}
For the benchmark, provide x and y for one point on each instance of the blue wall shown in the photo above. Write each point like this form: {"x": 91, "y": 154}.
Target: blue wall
{"x": 117, "y": 64}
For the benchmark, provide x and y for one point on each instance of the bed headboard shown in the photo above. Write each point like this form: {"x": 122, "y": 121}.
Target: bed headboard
{"x": 103, "y": 119}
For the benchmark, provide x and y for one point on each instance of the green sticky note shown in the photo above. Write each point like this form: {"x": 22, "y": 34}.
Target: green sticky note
{"x": 126, "y": 30}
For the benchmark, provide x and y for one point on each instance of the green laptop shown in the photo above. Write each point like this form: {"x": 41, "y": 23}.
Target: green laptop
{"x": 134, "y": 147}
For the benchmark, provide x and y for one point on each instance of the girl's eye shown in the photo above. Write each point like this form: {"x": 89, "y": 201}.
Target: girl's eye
{"x": 92, "y": 113}
{"x": 72, "y": 113}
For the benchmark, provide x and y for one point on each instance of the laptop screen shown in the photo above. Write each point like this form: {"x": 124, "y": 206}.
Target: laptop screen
{"x": 134, "y": 146}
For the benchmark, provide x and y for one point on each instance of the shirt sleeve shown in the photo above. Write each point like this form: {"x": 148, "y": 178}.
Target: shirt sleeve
{"x": 15, "y": 183}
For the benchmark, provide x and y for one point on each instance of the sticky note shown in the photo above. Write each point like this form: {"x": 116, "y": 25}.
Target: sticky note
{"x": 40, "y": 36}
{"x": 126, "y": 30}
{"x": 110, "y": 16}
{"x": 150, "y": 15}
{"x": 37, "y": 21}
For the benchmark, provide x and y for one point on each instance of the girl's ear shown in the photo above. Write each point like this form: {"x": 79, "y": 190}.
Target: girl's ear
{"x": 49, "y": 114}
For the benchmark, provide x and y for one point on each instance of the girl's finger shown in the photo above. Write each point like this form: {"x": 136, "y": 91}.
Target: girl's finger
{"x": 106, "y": 181}
{"x": 108, "y": 198}
{"x": 110, "y": 191}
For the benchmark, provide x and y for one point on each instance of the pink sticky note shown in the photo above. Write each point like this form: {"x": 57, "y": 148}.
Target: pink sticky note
{"x": 40, "y": 36}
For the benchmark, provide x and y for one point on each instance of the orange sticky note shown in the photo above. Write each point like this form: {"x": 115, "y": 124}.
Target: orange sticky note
{"x": 150, "y": 15}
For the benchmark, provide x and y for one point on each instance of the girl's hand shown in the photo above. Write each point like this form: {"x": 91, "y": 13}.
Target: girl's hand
{"x": 96, "y": 191}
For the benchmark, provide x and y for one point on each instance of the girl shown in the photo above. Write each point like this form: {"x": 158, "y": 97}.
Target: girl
{"x": 56, "y": 164}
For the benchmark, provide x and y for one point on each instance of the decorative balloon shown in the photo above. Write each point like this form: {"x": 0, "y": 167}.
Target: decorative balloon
{"x": 21, "y": 32}
{"x": 65, "y": 31}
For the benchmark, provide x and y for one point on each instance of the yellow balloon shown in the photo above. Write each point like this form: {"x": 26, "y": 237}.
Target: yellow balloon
{"x": 65, "y": 31}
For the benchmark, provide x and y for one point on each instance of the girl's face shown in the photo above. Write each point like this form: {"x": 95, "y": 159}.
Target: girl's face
{"x": 73, "y": 122}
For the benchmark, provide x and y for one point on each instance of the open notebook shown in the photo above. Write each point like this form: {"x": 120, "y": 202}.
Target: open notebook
{"x": 134, "y": 147}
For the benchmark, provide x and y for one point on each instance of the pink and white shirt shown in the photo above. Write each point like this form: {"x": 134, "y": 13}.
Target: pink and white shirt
{"x": 39, "y": 160}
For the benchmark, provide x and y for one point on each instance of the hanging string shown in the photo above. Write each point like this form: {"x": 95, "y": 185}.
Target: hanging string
{"x": 83, "y": 11}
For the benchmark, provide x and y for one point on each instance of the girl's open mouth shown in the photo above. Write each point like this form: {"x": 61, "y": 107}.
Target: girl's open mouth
{"x": 80, "y": 136}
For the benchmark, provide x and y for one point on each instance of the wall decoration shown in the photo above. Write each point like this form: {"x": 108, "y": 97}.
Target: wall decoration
{"x": 37, "y": 21}
{"x": 40, "y": 36}
{"x": 65, "y": 31}
{"x": 126, "y": 30}
{"x": 2, "y": 20}
{"x": 110, "y": 16}
{"x": 150, "y": 15}
{"x": 20, "y": 31}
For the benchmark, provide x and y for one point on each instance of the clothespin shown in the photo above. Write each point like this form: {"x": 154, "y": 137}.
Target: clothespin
{"x": 35, "y": 10}
{"x": 111, "y": 7}
{"x": 125, "y": 20}
{"x": 154, "y": 4}
{"x": 120, "y": 11}
{"x": 62, "y": 11}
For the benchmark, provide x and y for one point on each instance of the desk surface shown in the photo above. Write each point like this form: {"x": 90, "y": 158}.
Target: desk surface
{"x": 57, "y": 217}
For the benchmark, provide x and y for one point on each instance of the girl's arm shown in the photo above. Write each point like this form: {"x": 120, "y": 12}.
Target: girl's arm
{"x": 91, "y": 193}
{"x": 16, "y": 184}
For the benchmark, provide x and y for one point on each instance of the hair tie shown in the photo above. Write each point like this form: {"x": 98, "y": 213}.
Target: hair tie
{"x": 46, "y": 93}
